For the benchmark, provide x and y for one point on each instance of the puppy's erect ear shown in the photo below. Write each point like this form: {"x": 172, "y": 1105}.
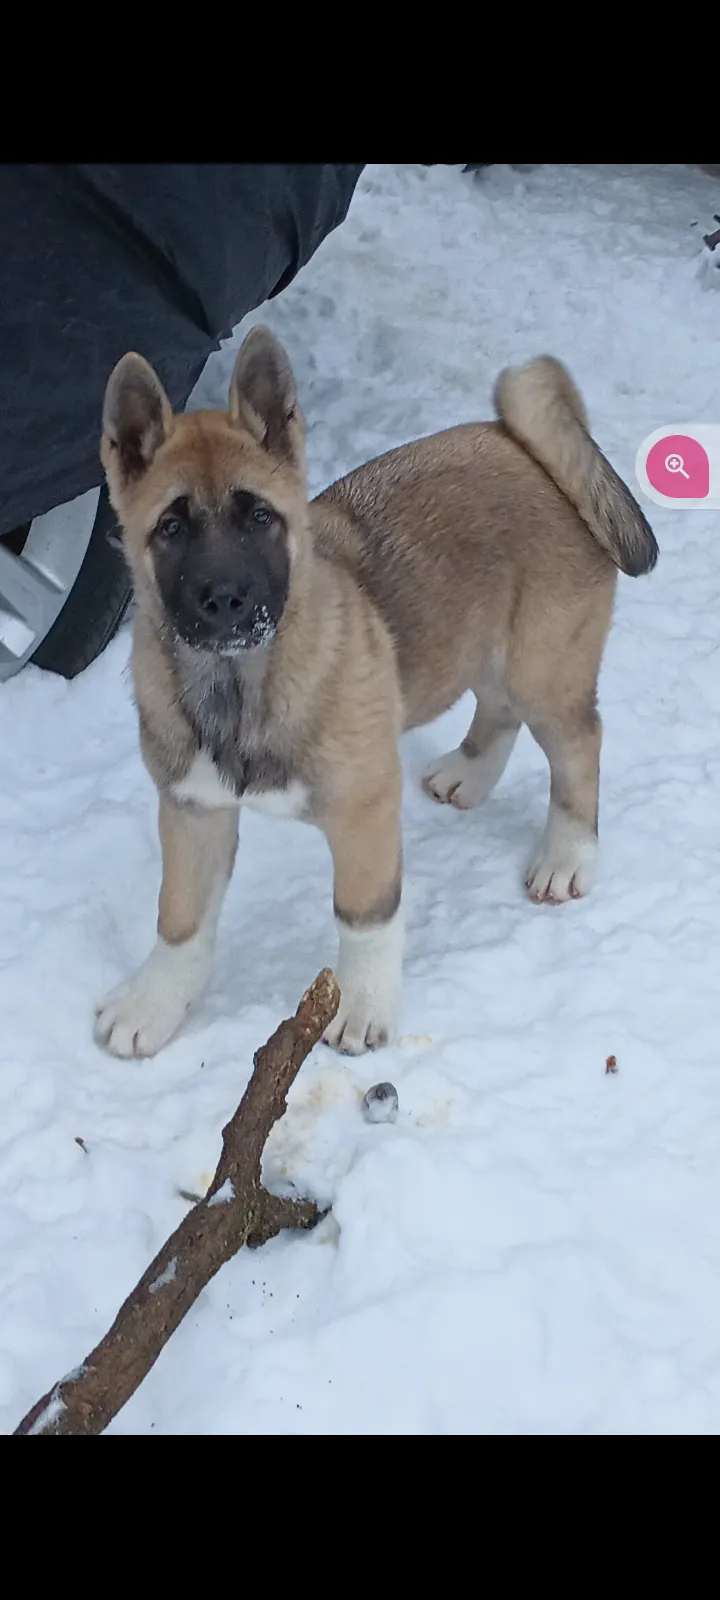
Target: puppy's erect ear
{"x": 136, "y": 416}
{"x": 263, "y": 397}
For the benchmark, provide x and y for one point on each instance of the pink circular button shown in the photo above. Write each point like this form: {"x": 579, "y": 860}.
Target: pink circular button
{"x": 679, "y": 467}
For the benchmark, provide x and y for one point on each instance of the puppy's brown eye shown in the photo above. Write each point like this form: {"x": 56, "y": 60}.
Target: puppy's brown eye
{"x": 169, "y": 527}
{"x": 261, "y": 515}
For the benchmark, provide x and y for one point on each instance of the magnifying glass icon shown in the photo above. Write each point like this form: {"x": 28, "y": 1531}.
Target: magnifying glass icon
{"x": 674, "y": 463}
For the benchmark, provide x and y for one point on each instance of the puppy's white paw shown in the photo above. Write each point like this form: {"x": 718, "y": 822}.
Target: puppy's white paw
{"x": 565, "y": 867}
{"x": 361, "y": 1024}
{"x": 139, "y": 1017}
{"x": 370, "y": 978}
{"x": 455, "y": 780}
{"x": 130, "y": 1022}
{"x": 465, "y": 781}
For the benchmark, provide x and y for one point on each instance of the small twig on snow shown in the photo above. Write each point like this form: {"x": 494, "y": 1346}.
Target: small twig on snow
{"x": 236, "y": 1210}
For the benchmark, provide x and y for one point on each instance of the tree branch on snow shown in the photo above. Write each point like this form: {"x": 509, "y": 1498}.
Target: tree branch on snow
{"x": 711, "y": 239}
{"x": 236, "y": 1210}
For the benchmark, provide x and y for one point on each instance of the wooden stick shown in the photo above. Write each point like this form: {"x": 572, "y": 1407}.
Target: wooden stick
{"x": 236, "y": 1210}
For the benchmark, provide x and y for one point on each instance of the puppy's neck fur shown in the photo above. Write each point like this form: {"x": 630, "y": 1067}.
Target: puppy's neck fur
{"x": 247, "y": 710}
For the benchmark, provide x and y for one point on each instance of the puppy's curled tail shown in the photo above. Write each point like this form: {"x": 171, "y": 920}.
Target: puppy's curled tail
{"x": 539, "y": 405}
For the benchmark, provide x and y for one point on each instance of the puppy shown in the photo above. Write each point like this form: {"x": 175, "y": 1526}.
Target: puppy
{"x": 281, "y": 646}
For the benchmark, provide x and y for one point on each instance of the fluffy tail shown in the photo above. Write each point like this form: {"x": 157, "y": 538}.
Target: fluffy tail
{"x": 540, "y": 406}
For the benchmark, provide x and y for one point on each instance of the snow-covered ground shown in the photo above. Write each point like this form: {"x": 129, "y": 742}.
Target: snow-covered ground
{"x": 534, "y": 1245}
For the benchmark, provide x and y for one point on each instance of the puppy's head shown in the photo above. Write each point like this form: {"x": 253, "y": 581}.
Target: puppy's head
{"x": 213, "y": 504}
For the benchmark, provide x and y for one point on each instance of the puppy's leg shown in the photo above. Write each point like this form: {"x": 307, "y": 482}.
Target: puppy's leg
{"x": 564, "y": 868}
{"x": 367, "y": 858}
{"x": 465, "y": 777}
{"x": 198, "y": 852}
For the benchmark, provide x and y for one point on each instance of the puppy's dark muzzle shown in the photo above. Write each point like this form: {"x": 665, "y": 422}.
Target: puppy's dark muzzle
{"x": 225, "y": 609}
{"x": 227, "y": 615}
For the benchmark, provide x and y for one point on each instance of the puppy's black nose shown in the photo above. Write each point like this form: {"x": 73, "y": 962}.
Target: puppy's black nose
{"x": 223, "y": 604}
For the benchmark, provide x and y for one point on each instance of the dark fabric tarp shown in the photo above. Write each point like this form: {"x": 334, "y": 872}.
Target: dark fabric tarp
{"x": 161, "y": 258}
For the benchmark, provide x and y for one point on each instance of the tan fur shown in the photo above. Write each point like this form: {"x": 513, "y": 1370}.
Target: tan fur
{"x": 198, "y": 853}
{"x": 457, "y": 562}
{"x": 542, "y": 409}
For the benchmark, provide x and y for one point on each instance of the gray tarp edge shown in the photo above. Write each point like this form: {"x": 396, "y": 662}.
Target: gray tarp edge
{"x": 161, "y": 258}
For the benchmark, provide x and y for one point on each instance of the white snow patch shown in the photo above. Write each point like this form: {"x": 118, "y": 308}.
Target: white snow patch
{"x": 49, "y": 1414}
{"x": 225, "y": 1192}
{"x": 72, "y": 1377}
{"x": 534, "y": 1248}
{"x": 164, "y": 1278}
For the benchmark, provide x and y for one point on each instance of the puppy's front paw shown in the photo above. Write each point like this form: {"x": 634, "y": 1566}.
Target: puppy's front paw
{"x": 360, "y": 1025}
{"x": 370, "y": 978}
{"x": 132, "y": 1022}
{"x": 565, "y": 866}
{"x": 456, "y": 780}
{"x": 139, "y": 1017}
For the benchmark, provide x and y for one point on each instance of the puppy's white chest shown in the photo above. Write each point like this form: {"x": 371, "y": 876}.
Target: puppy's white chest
{"x": 203, "y": 785}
